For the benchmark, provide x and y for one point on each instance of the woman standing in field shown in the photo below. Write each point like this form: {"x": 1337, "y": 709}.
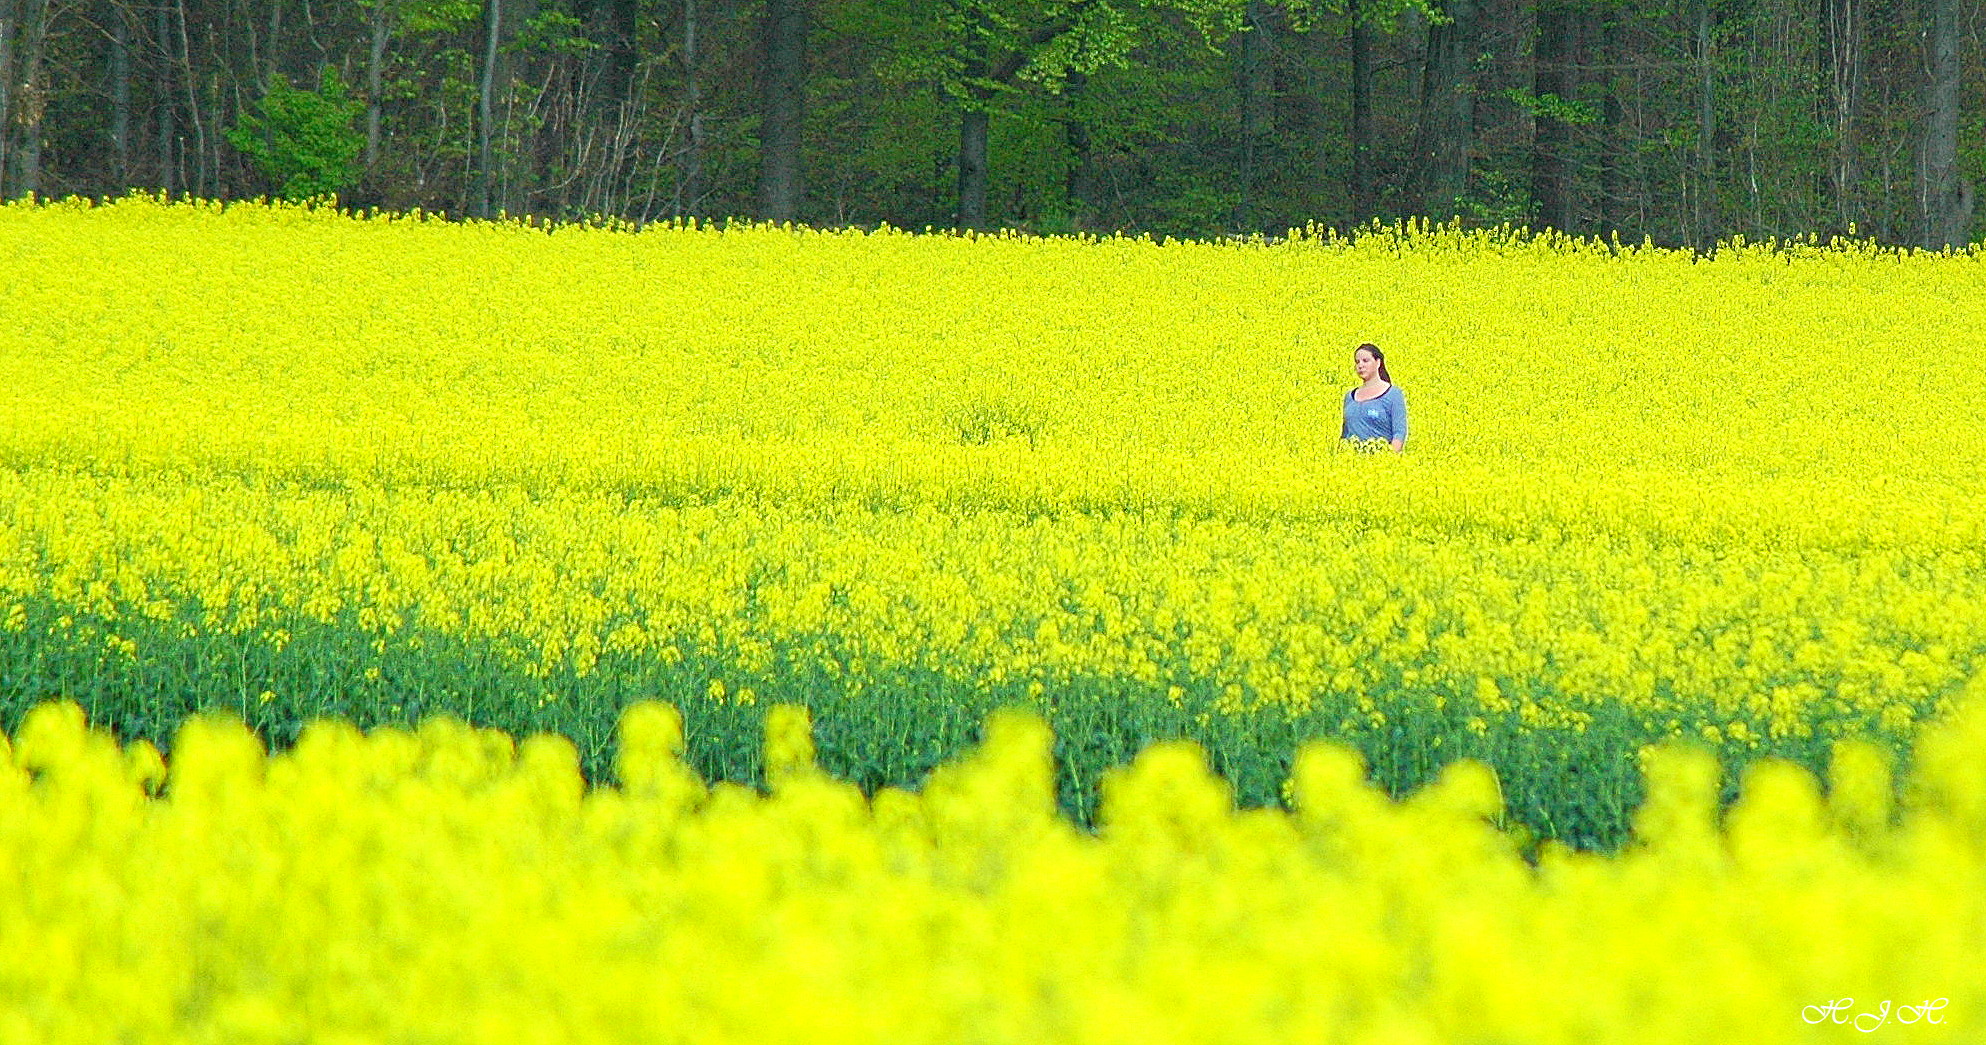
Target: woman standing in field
{"x": 1376, "y": 409}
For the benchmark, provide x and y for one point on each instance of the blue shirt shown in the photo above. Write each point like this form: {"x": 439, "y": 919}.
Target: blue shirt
{"x": 1381, "y": 418}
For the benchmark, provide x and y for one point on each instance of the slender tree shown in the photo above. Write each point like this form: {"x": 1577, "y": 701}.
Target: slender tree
{"x": 495, "y": 184}
{"x": 689, "y": 199}
{"x": 1617, "y": 81}
{"x": 24, "y": 99}
{"x": 1946, "y": 196}
{"x": 380, "y": 37}
{"x": 1358, "y": 128}
{"x": 1844, "y": 35}
{"x": 482, "y": 188}
{"x": 119, "y": 31}
{"x": 1445, "y": 132}
{"x": 1556, "y": 44}
{"x": 1256, "y": 86}
{"x": 11, "y": 12}
{"x": 783, "y": 93}
{"x": 981, "y": 82}
{"x": 166, "y": 146}
{"x": 1704, "y": 219}
{"x": 1079, "y": 184}
{"x": 189, "y": 81}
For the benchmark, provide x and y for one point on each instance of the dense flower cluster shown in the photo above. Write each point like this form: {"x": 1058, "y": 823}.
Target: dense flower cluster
{"x": 450, "y": 885}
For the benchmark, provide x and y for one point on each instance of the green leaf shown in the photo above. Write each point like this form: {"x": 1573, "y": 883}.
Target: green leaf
{"x": 305, "y": 142}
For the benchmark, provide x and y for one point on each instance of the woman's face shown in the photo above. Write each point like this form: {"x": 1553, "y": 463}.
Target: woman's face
{"x": 1366, "y": 366}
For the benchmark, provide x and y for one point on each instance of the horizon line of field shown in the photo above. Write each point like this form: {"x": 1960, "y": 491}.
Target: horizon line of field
{"x": 876, "y": 494}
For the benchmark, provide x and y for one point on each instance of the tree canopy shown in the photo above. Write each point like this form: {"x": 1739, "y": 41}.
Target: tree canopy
{"x": 1682, "y": 121}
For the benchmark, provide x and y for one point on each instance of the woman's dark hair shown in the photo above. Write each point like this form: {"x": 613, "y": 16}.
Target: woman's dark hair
{"x": 1377, "y": 357}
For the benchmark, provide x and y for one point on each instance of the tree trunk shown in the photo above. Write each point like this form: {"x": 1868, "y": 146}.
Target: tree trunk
{"x": 973, "y": 131}
{"x": 782, "y": 83}
{"x": 198, "y": 187}
{"x": 1947, "y": 198}
{"x": 375, "y": 78}
{"x": 30, "y": 99}
{"x": 1079, "y": 185}
{"x": 10, "y": 21}
{"x": 972, "y": 168}
{"x": 692, "y": 190}
{"x": 482, "y": 186}
{"x": 1445, "y": 133}
{"x": 984, "y": 79}
{"x": 1257, "y": 98}
{"x": 1556, "y": 44}
{"x": 495, "y": 188}
{"x": 275, "y": 63}
{"x": 1613, "y": 124}
{"x": 1707, "y": 226}
{"x": 166, "y": 135}
{"x": 120, "y": 96}
{"x": 1843, "y": 34}
{"x": 1359, "y": 133}
{"x": 221, "y": 63}
{"x": 516, "y": 159}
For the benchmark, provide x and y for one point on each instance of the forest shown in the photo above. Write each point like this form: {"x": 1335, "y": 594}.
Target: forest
{"x": 1681, "y": 122}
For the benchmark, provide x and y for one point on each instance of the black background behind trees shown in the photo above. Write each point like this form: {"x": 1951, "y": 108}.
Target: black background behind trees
{"x": 1682, "y": 121}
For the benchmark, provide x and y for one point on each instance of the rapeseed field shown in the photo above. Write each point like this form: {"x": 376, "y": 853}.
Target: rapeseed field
{"x": 586, "y": 633}
{"x": 292, "y": 463}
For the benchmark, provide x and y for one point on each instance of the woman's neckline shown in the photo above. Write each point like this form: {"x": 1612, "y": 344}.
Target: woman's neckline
{"x": 1381, "y": 395}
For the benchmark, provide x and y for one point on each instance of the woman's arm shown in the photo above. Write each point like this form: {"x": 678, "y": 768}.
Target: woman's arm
{"x": 1399, "y": 413}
